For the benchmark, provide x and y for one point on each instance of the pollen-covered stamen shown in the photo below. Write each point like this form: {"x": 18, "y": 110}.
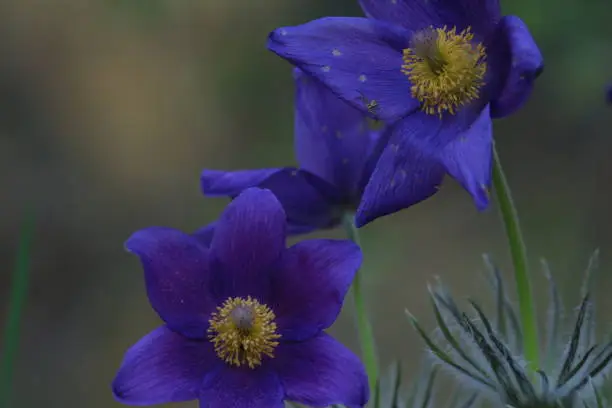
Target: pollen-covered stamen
{"x": 243, "y": 331}
{"x": 424, "y": 44}
{"x": 446, "y": 68}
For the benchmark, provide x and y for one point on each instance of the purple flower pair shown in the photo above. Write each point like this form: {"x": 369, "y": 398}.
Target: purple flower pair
{"x": 436, "y": 72}
{"x": 244, "y": 316}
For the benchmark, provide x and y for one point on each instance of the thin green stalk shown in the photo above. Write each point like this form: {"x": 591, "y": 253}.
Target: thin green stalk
{"x": 18, "y": 294}
{"x": 366, "y": 334}
{"x": 519, "y": 259}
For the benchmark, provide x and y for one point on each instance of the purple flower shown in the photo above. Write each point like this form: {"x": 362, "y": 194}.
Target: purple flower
{"x": 336, "y": 150}
{"x": 244, "y": 316}
{"x": 437, "y": 70}
{"x": 609, "y": 94}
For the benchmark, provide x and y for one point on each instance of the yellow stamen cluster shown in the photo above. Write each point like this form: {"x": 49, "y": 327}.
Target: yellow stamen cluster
{"x": 243, "y": 331}
{"x": 446, "y": 68}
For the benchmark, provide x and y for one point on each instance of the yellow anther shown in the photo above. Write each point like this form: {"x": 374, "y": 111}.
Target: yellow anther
{"x": 446, "y": 69}
{"x": 243, "y": 331}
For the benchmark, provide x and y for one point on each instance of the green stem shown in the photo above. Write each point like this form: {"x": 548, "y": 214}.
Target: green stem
{"x": 17, "y": 301}
{"x": 366, "y": 334}
{"x": 519, "y": 259}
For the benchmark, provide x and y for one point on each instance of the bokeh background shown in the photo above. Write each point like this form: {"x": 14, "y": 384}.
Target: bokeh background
{"x": 109, "y": 110}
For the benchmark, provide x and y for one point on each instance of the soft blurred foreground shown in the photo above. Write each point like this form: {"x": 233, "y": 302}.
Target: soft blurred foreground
{"x": 110, "y": 109}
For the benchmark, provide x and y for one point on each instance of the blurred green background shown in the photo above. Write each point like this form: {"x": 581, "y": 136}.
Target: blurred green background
{"x": 110, "y": 109}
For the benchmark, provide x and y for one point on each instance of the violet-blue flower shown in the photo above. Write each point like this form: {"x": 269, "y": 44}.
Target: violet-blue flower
{"x": 244, "y": 316}
{"x": 609, "y": 94}
{"x": 438, "y": 70}
{"x": 336, "y": 148}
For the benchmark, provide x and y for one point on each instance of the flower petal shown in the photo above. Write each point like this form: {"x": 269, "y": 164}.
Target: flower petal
{"x": 177, "y": 274}
{"x": 320, "y": 372}
{"x": 332, "y": 138}
{"x": 309, "y": 286}
{"x": 521, "y": 63}
{"x": 163, "y": 367}
{"x": 309, "y": 202}
{"x": 243, "y": 388}
{"x": 469, "y": 158}
{"x": 216, "y": 183}
{"x": 407, "y": 172}
{"x": 249, "y": 238}
{"x": 421, "y": 149}
{"x": 358, "y": 59}
{"x": 205, "y": 234}
{"x": 481, "y": 15}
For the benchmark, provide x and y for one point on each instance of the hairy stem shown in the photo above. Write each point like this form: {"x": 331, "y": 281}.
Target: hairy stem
{"x": 366, "y": 335}
{"x": 519, "y": 260}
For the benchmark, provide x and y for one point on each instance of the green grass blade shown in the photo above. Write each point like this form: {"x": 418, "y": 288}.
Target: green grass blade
{"x": 18, "y": 294}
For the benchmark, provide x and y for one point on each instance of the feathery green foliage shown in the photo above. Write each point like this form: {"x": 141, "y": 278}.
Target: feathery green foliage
{"x": 486, "y": 354}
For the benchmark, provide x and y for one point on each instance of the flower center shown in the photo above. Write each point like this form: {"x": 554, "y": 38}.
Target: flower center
{"x": 446, "y": 68}
{"x": 243, "y": 331}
